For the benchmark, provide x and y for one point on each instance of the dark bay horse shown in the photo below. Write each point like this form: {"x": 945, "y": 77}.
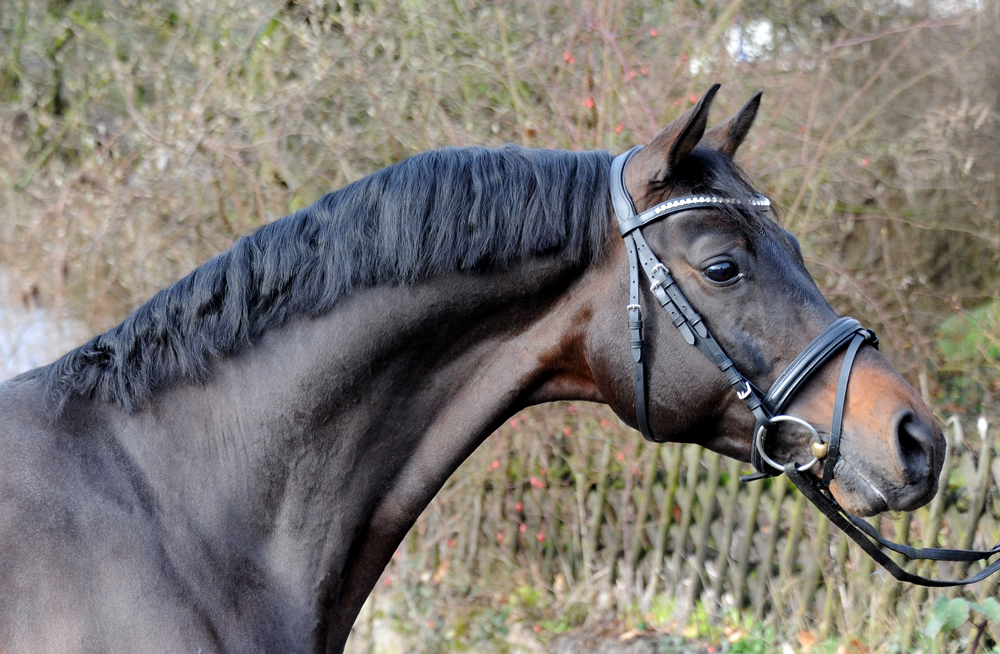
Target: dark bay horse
{"x": 231, "y": 468}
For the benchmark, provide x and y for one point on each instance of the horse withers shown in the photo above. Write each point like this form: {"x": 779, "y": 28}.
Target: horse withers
{"x": 232, "y": 467}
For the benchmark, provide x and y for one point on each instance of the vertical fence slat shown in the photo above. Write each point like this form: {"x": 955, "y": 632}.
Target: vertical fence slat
{"x": 722, "y": 560}
{"x": 697, "y": 576}
{"x": 594, "y": 521}
{"x": 779, "y": 487}
{"x": 978, "y": 500}
{"x": 789, "y": 567}
{"x": 749, "y": 528}
{"x": 814, "y": 564}
{"x": 642, "y": 513}
{"x": 890, "y": 595}
{"x": 672, "y": 456}
{"x": 686, "y": 507}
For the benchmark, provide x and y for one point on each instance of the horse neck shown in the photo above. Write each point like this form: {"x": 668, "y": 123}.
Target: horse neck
{"x": 349, "y": 423}
{"x": 394, "y": 373}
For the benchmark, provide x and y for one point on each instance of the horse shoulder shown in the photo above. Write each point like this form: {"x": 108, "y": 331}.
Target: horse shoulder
{"x": 82, "y": 566}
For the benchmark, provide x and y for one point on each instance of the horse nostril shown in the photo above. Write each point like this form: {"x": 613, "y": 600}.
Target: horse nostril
{"x": 915, "y": 441}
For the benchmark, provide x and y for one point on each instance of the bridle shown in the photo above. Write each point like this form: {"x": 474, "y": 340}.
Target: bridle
{"x": 766, "y": 407}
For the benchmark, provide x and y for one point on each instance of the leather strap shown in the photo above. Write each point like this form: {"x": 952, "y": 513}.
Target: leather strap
{"x": 830, "y": 341}
{"x": 668, "y": 295}
{"x": 623, "y": 205}
{"x": 838, "y": 408}
{"x": 857, "y": 530}
{"x": 620, "y": 198}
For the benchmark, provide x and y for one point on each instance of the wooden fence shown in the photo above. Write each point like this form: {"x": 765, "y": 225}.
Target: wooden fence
{"x": 567, "y": 501}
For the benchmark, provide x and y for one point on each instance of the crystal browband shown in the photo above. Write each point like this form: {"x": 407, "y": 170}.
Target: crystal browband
{"x": 689, "y": 202}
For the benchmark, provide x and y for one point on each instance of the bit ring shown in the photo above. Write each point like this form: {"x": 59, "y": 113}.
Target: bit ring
{"x": 785, "y": 418}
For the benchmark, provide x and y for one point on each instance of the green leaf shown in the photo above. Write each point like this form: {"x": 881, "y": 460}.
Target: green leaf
{"x": 947, "y": 615}
{"x": 990, "y": 608}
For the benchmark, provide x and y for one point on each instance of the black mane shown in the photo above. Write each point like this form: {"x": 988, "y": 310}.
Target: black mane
{"x": 445, "y": 210}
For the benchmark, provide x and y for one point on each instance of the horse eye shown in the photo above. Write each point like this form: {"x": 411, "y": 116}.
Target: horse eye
{"x": 722, "y": 272}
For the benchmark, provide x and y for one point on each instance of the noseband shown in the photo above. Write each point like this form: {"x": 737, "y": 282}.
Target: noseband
{"x": 766, "y": 407}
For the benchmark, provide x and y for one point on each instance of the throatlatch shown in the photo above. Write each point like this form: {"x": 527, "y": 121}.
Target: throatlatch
{"x": 766, "y": 408}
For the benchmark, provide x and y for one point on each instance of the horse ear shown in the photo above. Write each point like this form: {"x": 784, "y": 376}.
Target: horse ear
{"x": 727, "y": 136}
{"x": 656, "y": 161}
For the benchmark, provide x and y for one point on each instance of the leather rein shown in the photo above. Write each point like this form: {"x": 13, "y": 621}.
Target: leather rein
{"x": 766, "y": 407}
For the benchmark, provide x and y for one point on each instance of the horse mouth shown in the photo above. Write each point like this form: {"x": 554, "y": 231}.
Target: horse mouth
{"x": 856, "y": 492}
{"x": 873, "y": 475}
{"x": 865, "y": 487}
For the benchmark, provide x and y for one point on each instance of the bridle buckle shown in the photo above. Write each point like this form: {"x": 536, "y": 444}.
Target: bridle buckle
{"x": 652, "y": 274}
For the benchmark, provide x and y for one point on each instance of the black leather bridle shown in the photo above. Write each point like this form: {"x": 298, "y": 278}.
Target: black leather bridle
{"x": 766, "y": 408}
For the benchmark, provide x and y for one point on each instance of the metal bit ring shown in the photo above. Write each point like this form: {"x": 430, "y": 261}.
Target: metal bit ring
{"x": 785, "y": 418}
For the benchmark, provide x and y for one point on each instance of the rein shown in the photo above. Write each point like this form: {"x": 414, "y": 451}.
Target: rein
{"x": 766, "y": 408}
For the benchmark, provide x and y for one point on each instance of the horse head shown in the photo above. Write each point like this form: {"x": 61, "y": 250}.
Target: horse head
{"x": 745, "y": 276}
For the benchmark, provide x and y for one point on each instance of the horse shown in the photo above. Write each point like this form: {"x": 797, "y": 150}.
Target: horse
{"x": 231, "y": 468}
